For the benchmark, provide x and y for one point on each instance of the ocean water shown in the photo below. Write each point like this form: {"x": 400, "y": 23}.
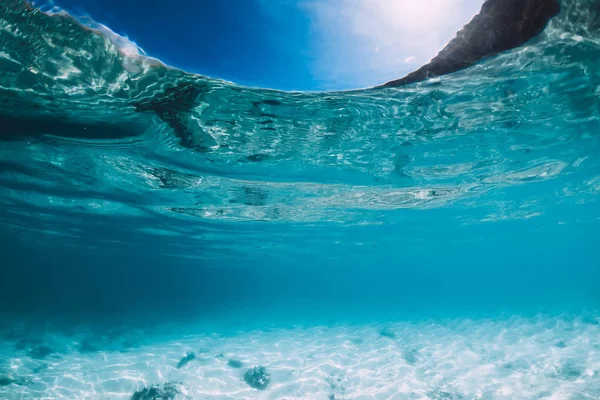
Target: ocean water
{"x": 164, "y": 235}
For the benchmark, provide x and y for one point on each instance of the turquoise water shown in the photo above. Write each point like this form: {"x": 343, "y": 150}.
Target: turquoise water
{"x": 433, "y": 241}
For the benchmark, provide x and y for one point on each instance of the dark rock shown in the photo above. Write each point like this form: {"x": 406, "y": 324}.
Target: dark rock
{"x": 234, "y": 363}
{"x": 331, "y": 396}
{"x": 5, "y": 380}
{"x": 501, "y": 25}
{"x": 388, "y": 333}
{"x": 186, "y": 359}
{"x": 336, "y": 382}
{"x": 167, "y": 391}
{"x": 257, "y": 377}
{"x": 40, "y": 352}
{"x": 561, "y": 345}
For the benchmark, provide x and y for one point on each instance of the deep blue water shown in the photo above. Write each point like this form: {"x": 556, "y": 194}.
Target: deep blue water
{"x": 134, "y": 193}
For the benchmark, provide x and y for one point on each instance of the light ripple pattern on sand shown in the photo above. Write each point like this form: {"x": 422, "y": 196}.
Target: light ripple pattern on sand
{"x": 511, "y": 357}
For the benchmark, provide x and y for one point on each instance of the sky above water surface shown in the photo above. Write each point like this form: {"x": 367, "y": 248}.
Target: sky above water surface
{"x": 286, "y": 44}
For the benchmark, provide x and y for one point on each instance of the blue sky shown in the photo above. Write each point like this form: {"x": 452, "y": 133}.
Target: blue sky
{"x": 286, "y": 44}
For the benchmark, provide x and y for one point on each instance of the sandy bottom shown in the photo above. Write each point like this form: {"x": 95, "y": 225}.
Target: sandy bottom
{"x": 542, "y": 357}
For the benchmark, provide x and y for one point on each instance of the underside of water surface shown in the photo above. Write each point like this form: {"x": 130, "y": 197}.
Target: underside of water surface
{"x": 169, "y": 236}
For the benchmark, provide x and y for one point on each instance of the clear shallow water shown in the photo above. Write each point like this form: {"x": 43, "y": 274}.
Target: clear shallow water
{"x": 134, "y": 194}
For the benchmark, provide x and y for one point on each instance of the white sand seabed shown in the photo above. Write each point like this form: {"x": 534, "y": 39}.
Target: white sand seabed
{"x": 512, "y": 358}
